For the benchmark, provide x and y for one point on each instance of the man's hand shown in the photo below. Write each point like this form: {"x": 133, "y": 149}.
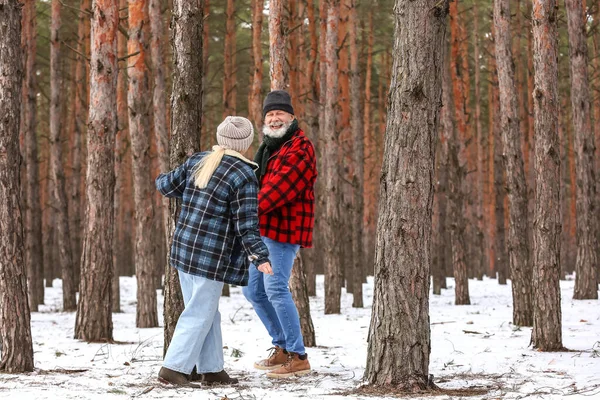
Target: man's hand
{"x": 266, "y": 268}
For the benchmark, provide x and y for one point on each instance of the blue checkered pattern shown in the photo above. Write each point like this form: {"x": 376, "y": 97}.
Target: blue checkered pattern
{"x": 217, "y": 230}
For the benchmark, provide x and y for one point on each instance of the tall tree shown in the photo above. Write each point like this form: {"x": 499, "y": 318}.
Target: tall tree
{"x": 399, "y": 335}
{"x": 186, "y": 123}
{"x": 15, "y": 325}
{"x": 159, "y": 96}
{"x": 80, "y": 117}
{"x": 32, "y": 226}
{"x": 586, "y": 286}
{"x": 254, "y": 97}
{"x": 357, "y": 273}
{"x": 229, "y": 81}
{"x": 94, "y": 319}
{"x": 121, "y": 170}
{"x": 139, "y": 130}
{"x": 332, "y": 195}
{"x": 547, "y": 325}
{"x": 518, "y": 238}
{"x": 277, "y": 44}
{"x": 59, "y": 195}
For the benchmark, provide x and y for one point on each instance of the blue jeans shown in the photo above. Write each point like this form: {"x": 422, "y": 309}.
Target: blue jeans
{"x": 197, "y": 340}
{"x": 271, "y": 297}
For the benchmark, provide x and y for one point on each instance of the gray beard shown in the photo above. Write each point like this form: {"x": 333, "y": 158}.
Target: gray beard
{"x": 277, "y": 133}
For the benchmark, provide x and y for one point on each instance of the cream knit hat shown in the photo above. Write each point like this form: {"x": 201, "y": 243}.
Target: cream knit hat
{"x": 235, "y": 133}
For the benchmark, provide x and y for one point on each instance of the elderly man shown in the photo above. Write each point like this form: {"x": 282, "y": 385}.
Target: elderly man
{"x": 286, "y": 174}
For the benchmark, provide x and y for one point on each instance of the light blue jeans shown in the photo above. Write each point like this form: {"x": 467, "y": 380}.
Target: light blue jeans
{"x": 271, "y": 297}
{"x": 197, "y": 339}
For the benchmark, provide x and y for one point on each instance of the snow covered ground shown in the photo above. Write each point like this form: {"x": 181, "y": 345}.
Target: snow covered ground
{"x": 473, "y": 346}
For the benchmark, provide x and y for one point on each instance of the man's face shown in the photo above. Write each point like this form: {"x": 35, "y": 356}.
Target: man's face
{"x": 275, "y": 119}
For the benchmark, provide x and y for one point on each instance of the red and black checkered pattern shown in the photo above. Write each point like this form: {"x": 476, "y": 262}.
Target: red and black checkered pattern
{"x": 286, "y": 201}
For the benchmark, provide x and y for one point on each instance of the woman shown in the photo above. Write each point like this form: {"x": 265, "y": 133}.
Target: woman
{"x": 215, "y": 239}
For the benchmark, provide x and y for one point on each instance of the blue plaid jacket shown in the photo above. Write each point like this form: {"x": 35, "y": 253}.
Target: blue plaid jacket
{"x": 217, "y": 230}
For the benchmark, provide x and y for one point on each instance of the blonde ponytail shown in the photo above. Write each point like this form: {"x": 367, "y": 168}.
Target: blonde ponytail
{"x": 206, "y": 167}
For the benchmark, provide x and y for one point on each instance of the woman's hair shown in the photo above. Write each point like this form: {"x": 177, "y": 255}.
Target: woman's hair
{"x": 206, "y": 167}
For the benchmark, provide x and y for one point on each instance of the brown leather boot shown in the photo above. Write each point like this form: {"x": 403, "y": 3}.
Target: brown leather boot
{"x": 218, "y": 378}
{"x": 294, "y": 366}
{"x": 168, "y": 376}
{"x": 276, "y": 359}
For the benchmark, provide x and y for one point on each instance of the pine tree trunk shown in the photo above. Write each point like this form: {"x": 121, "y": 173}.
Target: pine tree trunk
{"x": 547, "y": 325}
{"x": 81, "y": 116}
{"x": 370, "y": 156}
{"x": 254, "y": 99}
{"x": 518, "y": 240}
{"x": 15, "y": 325}
{"x": 292, "y": 55}
{"x": 330, "y": 173}
{"x": 159, "y": 101}
{"x": 186, "y": 123}
{"x": 457, "y": 221}
{"x": 300, "y": 296}
{"x": 32, "y": 226}
{"x": 585, "y": 277}
{"x": 399, "y": 335}
{"x": 94, "y": 319}
{"x": 309, "y": 256}
{"x": 139, "y": 130}
{"x": 59, "y": 195}
{"x": 278, "y": 64}
{"x": 357, "y": 230}
{"x": 479, "y": 140}
{"x": 229, "y": 84}
{"x": 442, "y": 238}
{"x": 121, "y": 172}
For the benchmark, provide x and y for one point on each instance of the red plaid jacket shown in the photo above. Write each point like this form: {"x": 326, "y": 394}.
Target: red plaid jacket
{"x": 286, "y": 201}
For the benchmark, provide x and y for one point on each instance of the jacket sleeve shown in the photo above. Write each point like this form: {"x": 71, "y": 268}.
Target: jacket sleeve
{"x": 172, "y": 184}
{"x": 296, "y": 172}
{"x": 244, "y": 208}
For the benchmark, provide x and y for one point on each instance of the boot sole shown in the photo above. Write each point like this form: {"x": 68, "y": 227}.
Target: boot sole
{"x": 290, "y": 375}
{"x": 264, "y": 368}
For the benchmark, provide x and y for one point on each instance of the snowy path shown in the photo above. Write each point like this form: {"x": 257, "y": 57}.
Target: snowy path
{"x": 495, "y": 356}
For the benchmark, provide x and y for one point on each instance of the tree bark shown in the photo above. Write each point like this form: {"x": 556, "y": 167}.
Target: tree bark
{"x": 399, "y": 335}
{"x": 358, "y": 230}
{"x": 518, "y": 240}
{"x": 254, "y": 99}
{"x": 547, "y": 325}
{"x": 59, "y": 195}
{"x": 15, "y": 325}
{"x": 139, "y": 131}
{"x": 186, "y": 122}
{"x": 32, "y": 227}
{"x": 277, "y": 44}
{"x": 332, "y": 195}
{"x": 300, "y": 295}
{"x": 586, "y": 286}
{"x": 94, "y": 319}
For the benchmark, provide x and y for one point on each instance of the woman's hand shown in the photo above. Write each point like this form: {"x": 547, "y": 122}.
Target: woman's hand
{"x": 266, "y": 268}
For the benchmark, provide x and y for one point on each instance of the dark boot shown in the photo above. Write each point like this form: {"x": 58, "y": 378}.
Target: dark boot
{"x": 194, "y": 376}
{"x": 168, "y": 376}
{"x": 218, "y": 378}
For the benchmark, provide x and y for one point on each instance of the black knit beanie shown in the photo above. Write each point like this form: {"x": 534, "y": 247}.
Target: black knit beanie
{"x": 278, "y": 100}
